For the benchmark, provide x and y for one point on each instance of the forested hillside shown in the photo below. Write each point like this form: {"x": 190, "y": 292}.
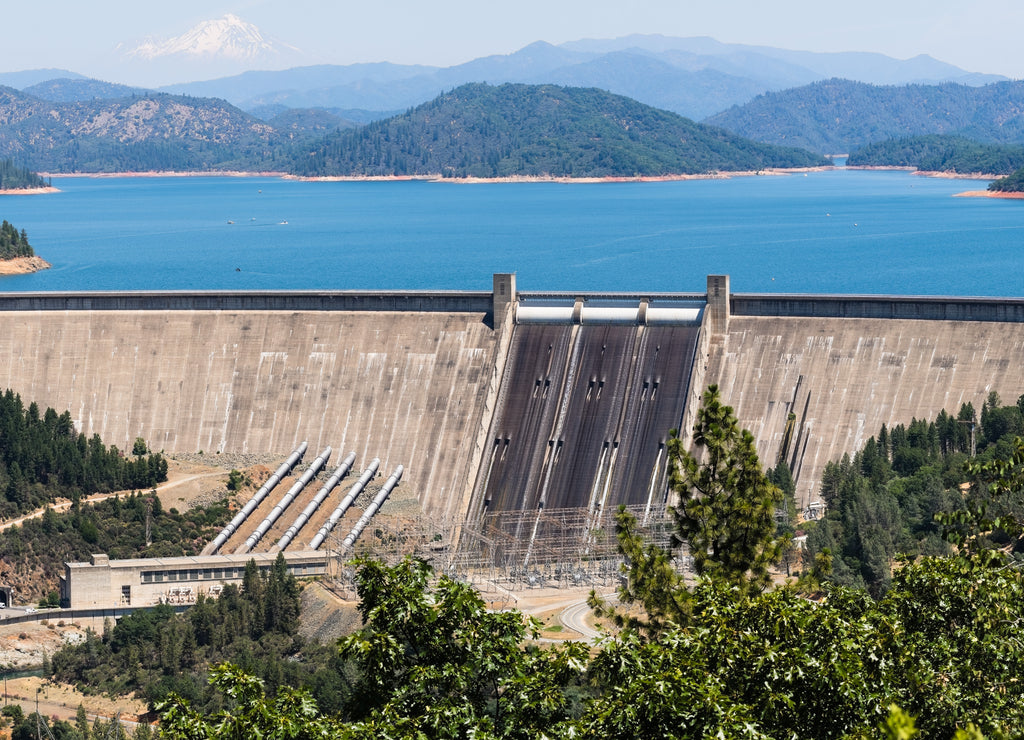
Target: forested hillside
{"x": 43, "y": 457}
{"x": 839, "y": 116}
{"x": 941, "y": 153}
{"x": 476, "y": 130}
{"x": 483, "y": 131}
{"x": 938, "y": 654}
{"x": 883, "y": 501}
{"x": 1012, "y": 183}
{"x": 13, "y": 177}
{"x": 153, "y": 132}
{"x": 13, "y": 243}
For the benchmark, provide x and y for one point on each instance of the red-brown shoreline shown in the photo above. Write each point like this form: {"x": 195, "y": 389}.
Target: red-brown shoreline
{"x": 441, "y": 178}
{"x": 990, "y": 194}
{"x": 166, "y": 173}
{"x": 29, "y": 191}
{"x": 23, "y": 265}
{"x": 555, "y": 178}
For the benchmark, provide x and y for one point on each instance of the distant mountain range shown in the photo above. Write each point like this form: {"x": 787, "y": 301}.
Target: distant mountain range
{"x": 695, "y": 77}
{"x": 60, "y": 121}
{"x": 475, "y": 130}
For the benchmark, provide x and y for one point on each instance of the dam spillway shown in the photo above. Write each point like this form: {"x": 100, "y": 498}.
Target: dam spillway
{"x": 585, "y": 415}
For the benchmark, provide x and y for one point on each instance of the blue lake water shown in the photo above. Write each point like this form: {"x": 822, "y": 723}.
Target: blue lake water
{"x": 840, "y": 231}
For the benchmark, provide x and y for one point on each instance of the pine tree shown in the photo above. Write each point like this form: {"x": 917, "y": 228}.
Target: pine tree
{"x": 726, "y": 517}
{"x": 726, "y": 511}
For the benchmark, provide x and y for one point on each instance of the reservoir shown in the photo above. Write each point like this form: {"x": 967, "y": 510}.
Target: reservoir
{"x": 840, "y": 231}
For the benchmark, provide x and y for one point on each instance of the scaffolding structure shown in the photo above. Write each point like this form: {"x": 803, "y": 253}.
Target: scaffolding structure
{"x": 512, "y": 550}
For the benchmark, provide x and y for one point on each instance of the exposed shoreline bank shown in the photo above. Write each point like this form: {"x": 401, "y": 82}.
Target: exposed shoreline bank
{"x": 166, "y": 173}
{"x": 556, "y": 178}
{"x": 441, "y": 178}
{"x": 23, "y": 265}
{"x": 990, "y": 194}
{"x": 30, "y": 191}
{"x": 925, "y": 173}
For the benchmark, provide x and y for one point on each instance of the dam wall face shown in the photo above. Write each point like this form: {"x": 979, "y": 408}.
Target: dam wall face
{"x": 842, "y": 378}
{"x": 488, "y": 412}
{"x": 408, "y": 386}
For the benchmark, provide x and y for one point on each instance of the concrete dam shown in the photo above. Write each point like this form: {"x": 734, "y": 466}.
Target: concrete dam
{"x": 503, "y": 401}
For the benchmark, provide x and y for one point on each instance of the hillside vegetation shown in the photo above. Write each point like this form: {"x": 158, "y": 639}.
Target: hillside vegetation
{"x": 43, "y": 457}
{"x": 13, "y": 177}
{"x": 841, "y": 116}
{"x": 938, "y": 654}
{"x": 890, "y": 499}
{"x": 13, "y": 243}
{"x": 483, "y": 131}
{"x": 152, "y": 132}
{"x": 941, "y": 153}
{"x": 1012, "y": 183}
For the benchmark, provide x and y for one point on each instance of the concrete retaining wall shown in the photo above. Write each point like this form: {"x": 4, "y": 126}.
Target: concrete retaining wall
{"x": 413, "y": 377}
{"x": 413, "y": 300}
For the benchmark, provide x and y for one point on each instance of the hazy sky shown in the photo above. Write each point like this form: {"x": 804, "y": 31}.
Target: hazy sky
{"x": 82, "y": 37}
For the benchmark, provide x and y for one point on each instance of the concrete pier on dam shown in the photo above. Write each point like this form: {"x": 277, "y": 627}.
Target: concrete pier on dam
{"x": 503, "y": 401}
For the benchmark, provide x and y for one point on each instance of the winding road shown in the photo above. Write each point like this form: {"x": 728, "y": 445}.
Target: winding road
{"x": 63, "y": 504}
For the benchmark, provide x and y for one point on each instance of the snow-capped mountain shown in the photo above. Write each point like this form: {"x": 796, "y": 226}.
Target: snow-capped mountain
{"x": 212, "y": 48}
{"x": 229, "y": 37}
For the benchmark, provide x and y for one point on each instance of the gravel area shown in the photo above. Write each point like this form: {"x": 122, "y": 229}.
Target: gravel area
{"x": 325, "y": 617}
{"x": 236, "y": 460}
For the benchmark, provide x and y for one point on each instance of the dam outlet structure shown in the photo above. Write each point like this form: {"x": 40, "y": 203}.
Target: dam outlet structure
{"x": 300, "y": 521}
{"x": 295, "y": 490}
{"x": 522, "y": 419}
{"x": 590, "y": 393}
{"x": 255, "y": 501}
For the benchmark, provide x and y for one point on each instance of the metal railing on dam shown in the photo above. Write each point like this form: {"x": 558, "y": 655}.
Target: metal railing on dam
{"x": 942, "y": 308}
{"x": 932, "y": 308}
{"x": 344, "y": 300}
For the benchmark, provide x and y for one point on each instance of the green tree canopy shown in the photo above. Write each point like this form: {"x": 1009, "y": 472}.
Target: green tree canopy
{"x": 727, "y": 504}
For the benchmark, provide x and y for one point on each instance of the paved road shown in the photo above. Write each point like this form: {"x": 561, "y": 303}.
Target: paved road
{"x": 574, "y": 617}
